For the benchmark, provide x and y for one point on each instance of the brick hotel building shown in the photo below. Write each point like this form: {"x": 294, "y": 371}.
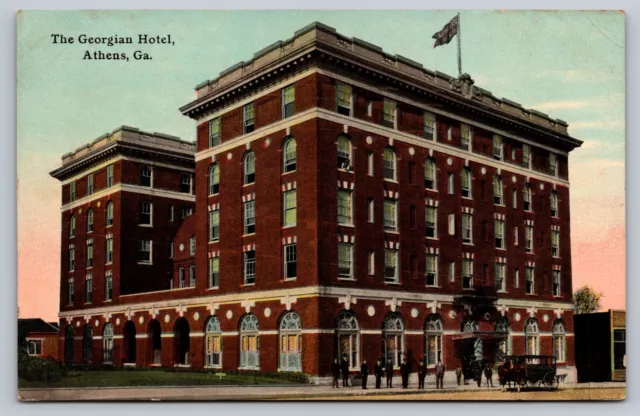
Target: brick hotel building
{"x": 344, "y": 201}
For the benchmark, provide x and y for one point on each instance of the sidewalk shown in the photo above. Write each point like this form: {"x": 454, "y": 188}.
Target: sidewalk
{"x": 242, "y": 393}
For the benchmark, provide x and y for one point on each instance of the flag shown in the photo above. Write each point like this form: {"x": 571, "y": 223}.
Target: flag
{"x": 447, "y": 33}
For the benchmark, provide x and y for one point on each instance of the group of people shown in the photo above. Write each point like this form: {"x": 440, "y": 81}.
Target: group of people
{"x": 379, "y": 371}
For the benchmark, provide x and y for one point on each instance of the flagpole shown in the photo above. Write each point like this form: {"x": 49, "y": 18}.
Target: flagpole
{"x": 459, "y": 52}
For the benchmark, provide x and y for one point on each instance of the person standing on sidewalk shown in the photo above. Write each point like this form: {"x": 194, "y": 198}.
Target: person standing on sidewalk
{"x": 422, "y": 373}
{"x": 364, "y": 371}
{"x": 488, "y": 374}
{"x": 344, "y": 367}
{"x": 404, "y": 373}
{"x": 335, "y": 372}
{"x": 458, "y": 374}
{"x": 439, "y": 375}
{"x": 378, "y": 370}
{"x": 389, "y": 370}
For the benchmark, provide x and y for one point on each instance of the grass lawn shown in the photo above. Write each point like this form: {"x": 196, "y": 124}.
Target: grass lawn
{"x": 124, "y": 378}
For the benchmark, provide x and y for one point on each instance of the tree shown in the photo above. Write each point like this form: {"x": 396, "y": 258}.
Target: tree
{"x": 586, "y": 300}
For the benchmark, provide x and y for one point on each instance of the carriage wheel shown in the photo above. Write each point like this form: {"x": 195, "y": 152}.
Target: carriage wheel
{"x": 551, "y": 381}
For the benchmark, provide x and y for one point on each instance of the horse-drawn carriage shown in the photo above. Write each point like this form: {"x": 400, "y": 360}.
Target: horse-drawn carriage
{"x": 528, "y": 371}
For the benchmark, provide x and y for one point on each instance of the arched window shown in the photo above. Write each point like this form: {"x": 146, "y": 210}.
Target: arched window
{"x": 344, "y": 153}
{"x": 430, "y": 174}
{"x": 107, "y": 344}
{"x": 532, "y": 339}
{"x": 249, "y": 167}
{"x": 214, "y": 179}
{"x": 87, "y": 344}
{"x": 72, "y": 226}
{"x": 68, "y": 345}
{"x": 290, "y": 342}
{"x": 89, "y": 220}
{"x": 393, "y": 339}
{"x": 504, "y": 346}
{"x": 389, "y": 167}
{"x": 109, "y": 214}
{"x": 348, "y": 338}
{"x": 289, "y": 156}
{"x": 559, "y": 341}
{"x": 432, "y": 339}
{"x": 213, "y": 343}
{"x": 249, "y": 343}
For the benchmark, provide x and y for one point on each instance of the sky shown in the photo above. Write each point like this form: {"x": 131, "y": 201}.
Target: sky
{"x": 567, "y": 64}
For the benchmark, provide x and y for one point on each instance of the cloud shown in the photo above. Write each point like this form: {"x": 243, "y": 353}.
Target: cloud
{"x": 616, "y": 124}
{"x": 606, "y": 101}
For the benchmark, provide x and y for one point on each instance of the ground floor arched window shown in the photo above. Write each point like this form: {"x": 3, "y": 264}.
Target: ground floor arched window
{"x": 249, "y": 343}
{"x": 290, "y": 342}
{"x": 129, "y": 343}
{"x": 559, "y": 341}
{"x": 213, "y": 343}
{"x": 393, "y": 339}
{"x": 68, "y": 345}
{"x": 532, "y": 337}
{"x": 107, "y": 344}
{"x": 348, "y": 338}
{"x": 87, "y": 344}
{"x": 155, "y": 342}
{"x": 433, "y": 339}
{"x": 182, "y": 341}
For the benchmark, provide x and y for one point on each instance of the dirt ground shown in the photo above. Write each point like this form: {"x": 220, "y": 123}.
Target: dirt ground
{"x": 574, "y": 394}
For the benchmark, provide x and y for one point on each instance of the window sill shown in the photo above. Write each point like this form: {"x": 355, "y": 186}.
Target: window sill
{"x": 433, "y": 238}
{"x": 71, "y": 236}
{"x": 468, "y": 198}
{"x": 500, "y": 205}
{"x": 89, "y": 268}
{"x": 129, "y": 364}
{"x": 391, "y": 180}
{"x": 214, "y": 288}
{"x": 467, "y": 244}
{"x": 288, "y": 173}
{"x": 431, "y": 189}
{"x": 433, "y": 286}
{"x": 393, "y": 283}
{"x": 109, "y": 264}
{"x": 468, "y": 288}
{"x": 290, "y": 279}
{"x": 556, "y": 257}
{"x": 90, "y": 232}
{"x": 502, "y": 291}
{"x": 529, "y": 253}
{"x": 345, "y": 170}
{"x": 284, "y": 227}
{"x": 109, "y": 226}
{"x": 213, "y": 242}
{"x": 348, "y": 279}
{"x": 145, "y": 263}
{"x": 210, "y": 195}
{"x": 501, "y": 248}
{"x": 346, "y": 225}
{"x": 248, "y": 284}
{"x": 248, "y": 235}
{"x": 531, "y": 294}
{"x": 87, "y": 303}
{"x": 181, "y": 365}
{"x": 107, "y": 301}
{"x": 248, "y": 184}
{"x": 392, "y": 232}
{"x": 558, "y": 296}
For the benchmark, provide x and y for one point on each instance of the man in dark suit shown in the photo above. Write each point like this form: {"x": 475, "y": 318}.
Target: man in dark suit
{"x": 335, "y": 372}
{"x": 344, "y": 367}
{"x": 378, "y": 370}
{"x": 404, "y": 373}
{"x": 439, "y": 375}
{"x": 422, "y": 373}
{"x": 364, "y": 371}
{"x": 488, "y": 374}
{"x": 389, "y": 371}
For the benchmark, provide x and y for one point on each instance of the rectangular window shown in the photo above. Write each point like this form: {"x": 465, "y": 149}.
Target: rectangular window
{"x": 145, "y": 213}
{"x": 90, "y": 252}
{"x": 34, "y": 347}
{"x": 214, "y": 225}
{"x": 431, "y": 221}
{"x": 449, "y": 133}
{"x": 452, "y": 271}
{"x": 214, "y": 132}
{"x": 370, "y": 210}
{"x": 499, "y": 233}
{"x": 467, "y": 273}
{"x": 371, "y": 263}
{"x": 431, "y": 270}
{"x": 344, "y": 207}
{"x": 556, "y": 282}
{"x": 70, "y": 291}
{"x": 553, "y": 164}
{"x": 108, "y": 285}
{"x": 559, "y": 348}
{"x": 88, "y": 288}
{"x": 247, "y": 118}
{"x": 497, "y": 190}
{"x": 192, "y": 276}
{"x": 497, "y": 147}
{"x": 467, "y": 228}
{"x": 171, "y": 250}
{"x": 619, "y": 349}
{"x": 90, "y": 184}
{"x": 465, "y": 136}
{"x": 391, "y": 266}
{"x": 526, "y": 196}
{"x": 108, "y": 249}
{"x": 529, "y": 275}
{"x": 500, "y": 277}
{"x": 389, "y": 114}
{"x": 515, "y": 236}
{"x": 185, "y": 212}
{"x": 288, "y": 101}
{"x": 345, "y": 261}
{"x": 451, "y": 224}
{"x": 181, "y": 278}
{"x": 429, "y": 125}
{"x": 554, "y": 204}
{"x": 185, "y": 183}
{"x": 465, "y": 183}
{"x": 290, "y": 261}
{"x": 516, "y": 278}
{"x": 343, "y": 95}
{"x": 109, "y": 176}
{"x": 144, "y": 255}
{"x": 390, "y": 215}
{"x": 430, "y": 174}
{"x": 249, "y": 267}
{"x": 514, "y": 198}
{"x": 145, "y": 176}
{"x": 250, "y": 217}
{"x": 528, "y": 238}
{"x": 370, "y": 164}
{"x": 171, "y": 213}
{"x": 451, "y": 184}
{"x": 289, "y": 205}
{"x": 72, "y": 191}
{"x": 369, "y": 105}
{"x": 192, "y": 246}
{"x": 555, "y": 243}
{"x": 72, "y": 257}
{"x": 526, "y": 156}
{"x": 214, "y": 272}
